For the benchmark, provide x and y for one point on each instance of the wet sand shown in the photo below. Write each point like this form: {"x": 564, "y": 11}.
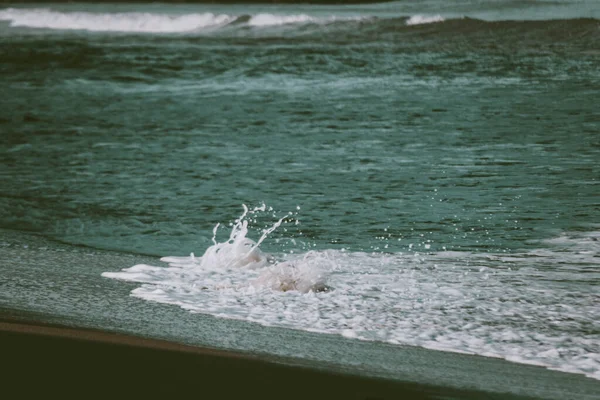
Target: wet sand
{"x": 48, "y": 359}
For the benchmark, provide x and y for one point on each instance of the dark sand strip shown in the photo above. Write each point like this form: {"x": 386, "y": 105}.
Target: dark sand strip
{"x": 47, "y": 360}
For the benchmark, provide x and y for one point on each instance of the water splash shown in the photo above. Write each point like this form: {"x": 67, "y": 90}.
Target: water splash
{"x": 453, "y": 301}
{"x": 239, "y": 252}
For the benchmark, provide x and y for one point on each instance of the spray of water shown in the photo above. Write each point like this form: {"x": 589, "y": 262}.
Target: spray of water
{"x": 304, "y": 274}
{"x": 445, "y": 300}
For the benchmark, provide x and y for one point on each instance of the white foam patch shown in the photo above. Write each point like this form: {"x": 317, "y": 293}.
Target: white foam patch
{"x": 424, "y": 19}
{"x": 273, "y": 20}
{"x": 305, "y": 274}
{"x": 112, "y": 22}
{"x": 264, "y": 20}
{"x": 521, "y": 307}
{"x": 146, "y": 22}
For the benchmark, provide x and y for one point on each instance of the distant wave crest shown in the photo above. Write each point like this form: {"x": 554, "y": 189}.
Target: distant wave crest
{"x": 114, "y": 22}
{"x": 165, "y": 23}
{"x": 424, "y": 19}
{"x": 148, "y": 22}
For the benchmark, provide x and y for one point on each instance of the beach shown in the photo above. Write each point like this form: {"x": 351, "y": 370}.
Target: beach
{"x": 67, "y": 346}
{"x": 377, "y": 200}
{"x": 47, "y": 359}
{"x": 52, "y": 360}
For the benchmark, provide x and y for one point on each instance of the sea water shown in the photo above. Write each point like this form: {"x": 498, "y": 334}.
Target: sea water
{"x": 412, "y": 173}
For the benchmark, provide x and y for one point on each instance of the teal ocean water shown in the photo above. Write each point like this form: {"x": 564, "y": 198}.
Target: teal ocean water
{"x": 407, "y": 173}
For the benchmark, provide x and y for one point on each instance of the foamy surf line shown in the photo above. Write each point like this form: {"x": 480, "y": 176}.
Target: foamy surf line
{"x": 135, "y": 22}
{"x": 452, "y": 301}
{"x": 424, "y": 19}
{"x": 448, "y": 371}
{"x": 135, "y": 361}
{"x": 147, "y": 22}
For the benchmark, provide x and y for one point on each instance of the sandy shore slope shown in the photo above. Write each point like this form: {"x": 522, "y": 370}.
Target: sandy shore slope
{"x": 46, "y": 359}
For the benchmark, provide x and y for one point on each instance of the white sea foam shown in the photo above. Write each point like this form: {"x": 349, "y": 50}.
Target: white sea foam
{"x": 513, "y": 306}
{"x": 135, "y": 22}
{"x": 271, "y": 20}
{"x": 424, "y": 19}
{"x": 145, "y": 22}
{"x": 112, "y": 22}
{"x": 303, "y": 274}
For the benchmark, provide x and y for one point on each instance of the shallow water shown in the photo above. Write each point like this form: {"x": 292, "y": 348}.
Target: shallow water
{"x": 435, "y": 164}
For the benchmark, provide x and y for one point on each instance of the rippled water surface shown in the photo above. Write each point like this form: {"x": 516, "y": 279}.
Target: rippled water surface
{"x": 434, "y": 165}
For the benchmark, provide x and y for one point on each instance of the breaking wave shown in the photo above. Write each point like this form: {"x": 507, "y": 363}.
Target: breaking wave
{"x": 241, "y": 255}
{"x": 148, "y": 22}
{"x": 115, "y": 22}
{"x": 361, "y": 25}
{"x": 424, "y": 19}
{"x": 453, "y": 301}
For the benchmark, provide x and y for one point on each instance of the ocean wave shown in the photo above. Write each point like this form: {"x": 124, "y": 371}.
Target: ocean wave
{"x": 115, "y": 22}
{"x": 149, "y": 22}
{"x": 424, "y": 19}
{"x": 453, "y": 301}
{"x": 341, "y": 28}
{"x": 271, "y": 20}
{"x": 135, "y": 22}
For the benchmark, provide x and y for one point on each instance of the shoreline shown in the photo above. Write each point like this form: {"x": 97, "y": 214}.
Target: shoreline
{"x": 89, "y": 332}
{"x": 49, "y": 358}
